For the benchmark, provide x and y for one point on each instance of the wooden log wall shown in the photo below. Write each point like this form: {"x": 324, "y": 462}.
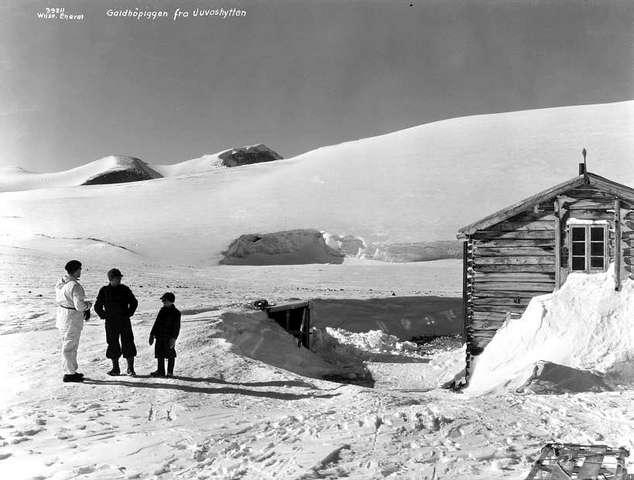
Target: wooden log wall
{"x": 511, "y": 262}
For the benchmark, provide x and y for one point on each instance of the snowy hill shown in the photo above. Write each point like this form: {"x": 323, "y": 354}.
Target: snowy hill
{"x": 110, "y": 169}
{"x": 123, "y": 169}
{"x": 414, "y": 185}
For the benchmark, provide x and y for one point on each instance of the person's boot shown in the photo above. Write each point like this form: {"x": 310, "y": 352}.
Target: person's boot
{"x": 130, "y": 370}
{"x": 160, "y": 369}
{"x": 170, "y": 367}
{"x": 115, "y": 368}
{"x": 73, "y": 377}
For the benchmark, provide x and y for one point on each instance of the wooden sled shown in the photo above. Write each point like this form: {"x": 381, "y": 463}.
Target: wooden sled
{"x": 569, "y": 461}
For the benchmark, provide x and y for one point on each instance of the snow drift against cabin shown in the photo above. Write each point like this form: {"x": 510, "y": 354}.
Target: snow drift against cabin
{"x": 586, "y": 325}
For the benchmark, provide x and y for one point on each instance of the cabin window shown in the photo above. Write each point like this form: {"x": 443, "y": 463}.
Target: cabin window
{"x": 588, "y": 247}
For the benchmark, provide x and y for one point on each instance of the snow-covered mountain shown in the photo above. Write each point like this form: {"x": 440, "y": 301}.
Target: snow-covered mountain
{"x": 413, "y": 185}
{"x": 110, "y": 169}
{"x": 123, "y": 169}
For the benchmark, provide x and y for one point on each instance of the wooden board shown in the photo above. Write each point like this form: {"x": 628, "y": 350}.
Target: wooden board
{"x": 514, "y": 243}
{"x": 509, "y": 293}
{"x": 514, "y": 251}
{"x": 514, "y": 277}
{"x": 530, "y": 225}
{"x": 535, "y": 260}
{"x": 514, "y": 286}
{"x": 514, "y": 268}
{"x": 528, "y": 234}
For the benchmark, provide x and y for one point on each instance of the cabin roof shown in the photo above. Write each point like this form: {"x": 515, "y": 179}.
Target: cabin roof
{"x": 622, "y": 191}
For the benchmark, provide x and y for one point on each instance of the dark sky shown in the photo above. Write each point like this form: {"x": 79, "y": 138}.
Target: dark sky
{"x": 295, "y": 75}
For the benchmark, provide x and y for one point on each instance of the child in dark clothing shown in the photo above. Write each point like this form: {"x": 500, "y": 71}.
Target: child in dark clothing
{"x": 165, "y": 331}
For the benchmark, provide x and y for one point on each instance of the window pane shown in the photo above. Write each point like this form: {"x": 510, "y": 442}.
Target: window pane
{"x": 578, "y": 248}
{"x": 596, "y": 262}
{"x": 596, "y": 248}
{"x": 596, "y": 234}
{"x": 578, "y": 234}
{"x": 578, "y": 263}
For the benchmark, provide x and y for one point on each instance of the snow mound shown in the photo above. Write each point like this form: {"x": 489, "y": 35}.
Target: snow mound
{"x": 586, "y": 326}
{"x": 256, "y": 336}
{"x": 415, "y": 251}
{"x": 293, "y": 247}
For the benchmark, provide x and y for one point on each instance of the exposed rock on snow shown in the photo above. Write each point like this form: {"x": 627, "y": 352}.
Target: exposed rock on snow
{"x": 293, "y": 247}
{"x": 247, "y": 155}
{"x": 122, "y": 169}
{"x": 586, "y": 326}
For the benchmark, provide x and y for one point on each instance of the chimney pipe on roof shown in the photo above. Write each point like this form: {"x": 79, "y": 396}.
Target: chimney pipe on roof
{"x": 582, "y": 166}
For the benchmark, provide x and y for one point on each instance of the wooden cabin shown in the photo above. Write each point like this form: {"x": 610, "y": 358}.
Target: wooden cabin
{"x": 528, "y": 249}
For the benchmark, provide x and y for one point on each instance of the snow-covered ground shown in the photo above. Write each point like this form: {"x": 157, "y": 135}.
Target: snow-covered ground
{"x": 247, "y": 403}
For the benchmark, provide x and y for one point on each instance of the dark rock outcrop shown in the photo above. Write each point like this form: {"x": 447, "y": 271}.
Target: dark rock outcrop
{"x": 248, "y": 155}
{"x": 128, "y": 169}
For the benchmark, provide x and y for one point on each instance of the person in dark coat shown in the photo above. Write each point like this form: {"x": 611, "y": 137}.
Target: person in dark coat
{"x": 165, "y": 332}
{"x": 116, "y": 304}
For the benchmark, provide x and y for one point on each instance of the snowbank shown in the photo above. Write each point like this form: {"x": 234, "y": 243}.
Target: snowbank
{"x": 586, "y": 326}
{"x": 415, "y": 251}
{"x": 293, "y": 247}
{"x": 353, "y": 246}
{"x": 256, "y": 336}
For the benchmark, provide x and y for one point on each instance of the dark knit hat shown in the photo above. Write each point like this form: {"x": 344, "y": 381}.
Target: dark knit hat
{"x": 114, "y": 273}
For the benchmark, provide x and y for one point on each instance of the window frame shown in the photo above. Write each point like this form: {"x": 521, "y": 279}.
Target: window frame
{"x": 587, "y": 241}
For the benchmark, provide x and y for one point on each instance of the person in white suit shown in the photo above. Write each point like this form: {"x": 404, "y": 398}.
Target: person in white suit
{"x": 72, "y": 310}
